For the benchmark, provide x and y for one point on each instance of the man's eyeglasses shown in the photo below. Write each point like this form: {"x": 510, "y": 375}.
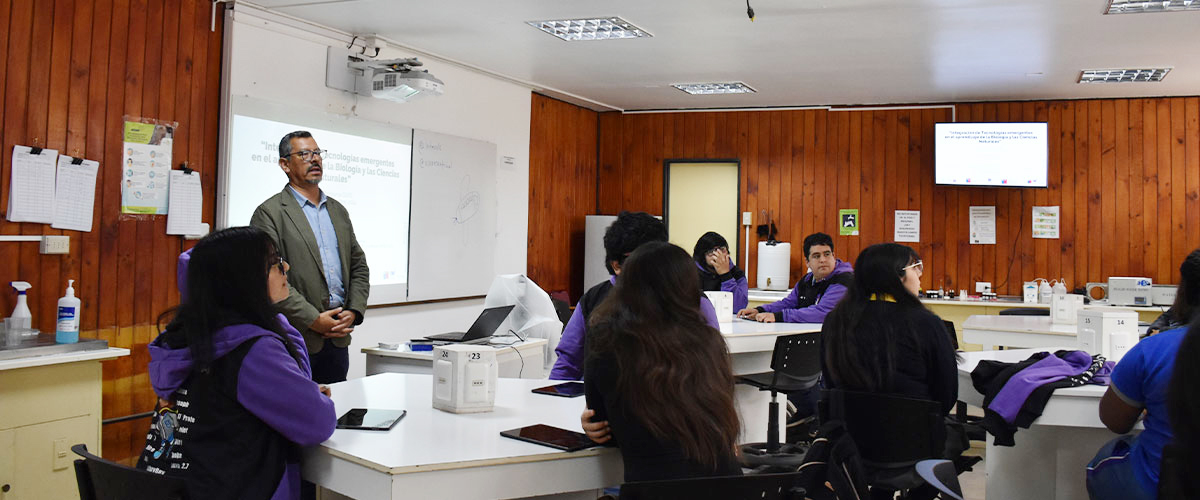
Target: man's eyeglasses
{"x": 918, "y": 265}
{"x": 816, "y": 255}
{"x": 308, "y": 155}
{"x": 277, "y": 261}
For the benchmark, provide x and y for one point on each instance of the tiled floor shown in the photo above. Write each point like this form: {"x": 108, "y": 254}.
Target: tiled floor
{"x": 974, "y": 483}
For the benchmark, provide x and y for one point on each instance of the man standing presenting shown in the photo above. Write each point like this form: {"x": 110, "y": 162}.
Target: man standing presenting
{"x": 328, "y": 280}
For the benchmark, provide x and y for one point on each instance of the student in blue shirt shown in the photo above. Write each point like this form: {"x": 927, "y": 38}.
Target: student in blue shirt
{"x": 1127, "y": 467}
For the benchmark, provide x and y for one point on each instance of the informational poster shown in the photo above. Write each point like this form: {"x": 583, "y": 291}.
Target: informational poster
{"x": 983, "y": 225}
{"x": 1045, "y": 223}
{"x": 908, "y": 226}
{"x": 848, "y": 218}
{"x": 145, "y": 165}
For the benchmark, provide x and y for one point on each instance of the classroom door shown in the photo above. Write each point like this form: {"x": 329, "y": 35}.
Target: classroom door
{"x": 699, "y": 197}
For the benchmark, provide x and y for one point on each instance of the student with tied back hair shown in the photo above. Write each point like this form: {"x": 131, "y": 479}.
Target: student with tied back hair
{"x": 657, "y": 376}
{"x": 1187, "y": 297}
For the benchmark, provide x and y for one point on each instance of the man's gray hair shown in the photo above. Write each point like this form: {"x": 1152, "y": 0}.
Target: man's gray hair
{"x": 285, "y": 144}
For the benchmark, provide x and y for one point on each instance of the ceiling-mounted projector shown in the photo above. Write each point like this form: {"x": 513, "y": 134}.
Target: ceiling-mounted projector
{"x": 393, "y": 79}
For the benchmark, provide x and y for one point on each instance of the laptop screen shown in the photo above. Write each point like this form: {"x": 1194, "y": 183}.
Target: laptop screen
{"x": 487, "y": 322}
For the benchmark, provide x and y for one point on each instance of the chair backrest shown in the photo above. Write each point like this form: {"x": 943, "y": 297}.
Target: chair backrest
{"x": 1025, "y": 311}
{"x": 101, "y": 479}
{"x": 890, "y": 431}
{"x": 953, "y": 333}
{"x": 798, "y": 356}
{"x": 941, "y": 475}
{"x": 754, "y": 486}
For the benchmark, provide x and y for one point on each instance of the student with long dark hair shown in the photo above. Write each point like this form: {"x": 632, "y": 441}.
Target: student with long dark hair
{"x": 659, "y": 374}
{"x": 880, "y": 338}
{"x": 1178, "y": 479}
{"x": 1187, "y": 297}
{"x": 233, "y": 373}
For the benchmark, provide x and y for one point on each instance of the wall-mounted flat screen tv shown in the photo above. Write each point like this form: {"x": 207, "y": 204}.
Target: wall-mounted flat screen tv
{"x": 991, "y": 154}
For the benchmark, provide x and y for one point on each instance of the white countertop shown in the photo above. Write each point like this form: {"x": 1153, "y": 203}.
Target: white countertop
{"x": 1020, "y": 324}
{"x": 68, "y": 357}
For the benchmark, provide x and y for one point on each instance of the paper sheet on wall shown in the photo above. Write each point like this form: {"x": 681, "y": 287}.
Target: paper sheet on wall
{"x": 186, "y": 204}
{"x": 1045, "y": 222}
{"x": 31, "y": 188}
{"x": 908, "y": 226}
{"x": 146, "y": 163}
{"x": 983, "y": 225}
{"x": 75, "y": 194}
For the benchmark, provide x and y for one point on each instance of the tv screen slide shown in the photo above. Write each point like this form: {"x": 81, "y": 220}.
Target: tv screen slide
{"x": 369, "y": 175}
{"x": 991, "y": 154}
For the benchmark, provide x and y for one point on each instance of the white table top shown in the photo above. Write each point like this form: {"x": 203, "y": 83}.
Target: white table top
{"x": 406, "y": 352}
{"x": 1020, "y": 304}
{"x": 751, "y": 336}
{"x": 1019, "y": 324}
{"x": 429, "y": 439}
{"x": 68, "y": 357}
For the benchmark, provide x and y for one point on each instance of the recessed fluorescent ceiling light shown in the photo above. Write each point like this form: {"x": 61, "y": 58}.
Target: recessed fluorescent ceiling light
{"x": 1142, "y": 6}
{"x": 714, "y": 88}
{"x": 1123, "y": 75}
{"x": 608, "y": 28}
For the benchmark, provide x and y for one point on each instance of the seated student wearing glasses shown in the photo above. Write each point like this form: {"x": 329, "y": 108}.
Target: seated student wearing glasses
{"x": 881, "y": 339}
{"x": 816, "y": 293}
{"x": 717, "y": 271}
{"x": 659, "y": 374}
{"x": 629, "y": 231}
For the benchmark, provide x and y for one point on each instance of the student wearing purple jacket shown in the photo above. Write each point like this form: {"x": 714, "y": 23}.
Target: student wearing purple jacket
{"x": 236, "y": 395}
{"x": 628, "y": 232}
{"x": 816, "y": 294}
{"x": 718, "y": 273}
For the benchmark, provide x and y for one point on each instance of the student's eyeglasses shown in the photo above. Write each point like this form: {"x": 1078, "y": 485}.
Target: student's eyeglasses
{"x": 918, "y": 265}
{"x": 277, "y": 261}
{"x": 714, "y": 251}
{"x": 308, "y": 155}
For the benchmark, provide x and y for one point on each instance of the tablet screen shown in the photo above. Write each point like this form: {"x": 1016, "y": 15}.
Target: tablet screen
{"x": 566, "y": 389}
{"x": 370, "y": 419}
{"x": 553, "y": 437}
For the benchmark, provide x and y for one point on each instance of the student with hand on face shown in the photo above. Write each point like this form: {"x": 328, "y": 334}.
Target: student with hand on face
{"x": 658, "y": 378}
{"x": 629, "y": 231}
{"x": 717, "y": 271}
{"x": 816, "y": 293}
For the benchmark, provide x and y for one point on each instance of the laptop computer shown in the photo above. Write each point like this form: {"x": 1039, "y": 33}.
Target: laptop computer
{"x": 483, "y": 327}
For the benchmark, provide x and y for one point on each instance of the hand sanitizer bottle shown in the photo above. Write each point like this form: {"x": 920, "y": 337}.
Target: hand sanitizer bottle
{"x": 67, "y": 331}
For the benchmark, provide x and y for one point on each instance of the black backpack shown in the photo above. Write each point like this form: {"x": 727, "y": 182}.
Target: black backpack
{"x": 833, "y": 462}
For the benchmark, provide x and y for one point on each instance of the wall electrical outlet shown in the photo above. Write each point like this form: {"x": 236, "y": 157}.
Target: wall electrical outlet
{"x": 55, "y": 244}
{"x": 747, "y": 218}
{"x": 983, "y": 286}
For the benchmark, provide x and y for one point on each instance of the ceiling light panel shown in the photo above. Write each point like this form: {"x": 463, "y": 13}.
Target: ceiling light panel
{"x": 1143, "y": 6}
{"x": 1123, "y": 75}
{"x": 714, "y": 88}
{"x": 608, "y": 28}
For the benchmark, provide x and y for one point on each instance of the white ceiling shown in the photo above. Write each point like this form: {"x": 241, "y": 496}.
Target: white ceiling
{"x": 796, "y": 52}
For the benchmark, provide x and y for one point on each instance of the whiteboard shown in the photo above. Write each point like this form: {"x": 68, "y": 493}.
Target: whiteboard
{"x": 453, "y": 227}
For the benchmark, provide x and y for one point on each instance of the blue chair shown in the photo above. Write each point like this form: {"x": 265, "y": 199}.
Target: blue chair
{"x": 941, "y": 475}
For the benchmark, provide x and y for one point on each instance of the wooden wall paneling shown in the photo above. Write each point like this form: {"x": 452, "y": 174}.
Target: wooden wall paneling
{"x": 1066, "y": 169}
{"x": 848, "y": 196}
{"x": 1081, "y": 206}
{"x": 1108, "y": 175}
{"x": 797, "y": 151}
{"x": 1178, "y": 182}
{"x": 1149, "y": 248}
{"x": 1134, "y": 183}
{"x": 1095, "y": 169}
{"x": 1165, "y": 175}
{"x": 1046, "y": 254}
{"x": 1192, "y": 173}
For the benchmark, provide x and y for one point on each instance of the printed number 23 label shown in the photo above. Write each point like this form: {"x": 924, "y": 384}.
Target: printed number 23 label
{"x": 475, "y": 356}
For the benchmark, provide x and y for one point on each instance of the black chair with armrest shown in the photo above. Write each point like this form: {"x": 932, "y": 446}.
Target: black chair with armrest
{"x": 971, "y": 424}
{"x": 795, "y": 367}
{"x": 892, "y": 434}
{"x": 750, "y": 487}
{"x": 101, "y": 479}
{"x": 1025, "y": 311}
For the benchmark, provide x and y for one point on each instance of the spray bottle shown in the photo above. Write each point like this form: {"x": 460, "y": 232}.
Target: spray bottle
{"x": 67, "y": 331}
{"x": 21, "y": 317}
